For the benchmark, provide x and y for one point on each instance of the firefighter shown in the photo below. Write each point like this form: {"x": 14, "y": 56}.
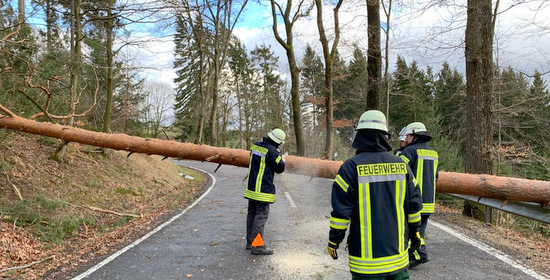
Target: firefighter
{"x": 375, "y": 195}
{"x": 402, "y": 141}
{"x": 265, "y": 161}
{"x": 423, "y": 160}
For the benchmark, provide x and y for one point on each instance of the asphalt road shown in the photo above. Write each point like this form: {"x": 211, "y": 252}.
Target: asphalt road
{"x": 207, "y": 241}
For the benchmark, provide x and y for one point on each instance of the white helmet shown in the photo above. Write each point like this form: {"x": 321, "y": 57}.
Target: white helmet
{"x": 277, "y": 135}
{"x": 402, "y": 134}
{"x": 372, "y": 119}
{"x": 417, "y": 129}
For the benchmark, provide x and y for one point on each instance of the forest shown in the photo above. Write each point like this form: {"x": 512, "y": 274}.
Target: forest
{"x": 70, "y": 62}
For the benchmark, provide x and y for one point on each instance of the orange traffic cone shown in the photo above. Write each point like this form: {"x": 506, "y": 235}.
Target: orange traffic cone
{"x": 258, "y": 241}
{"x": 258, "y": 247}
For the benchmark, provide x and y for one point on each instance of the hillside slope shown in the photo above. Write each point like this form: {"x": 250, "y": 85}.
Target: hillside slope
{"x": 61, "y": 215}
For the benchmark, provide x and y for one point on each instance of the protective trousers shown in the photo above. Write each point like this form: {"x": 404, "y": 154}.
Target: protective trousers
{"x": 423, "y": 224}
{"x": 403, "y": 275}
{"x": 258, "y": 213}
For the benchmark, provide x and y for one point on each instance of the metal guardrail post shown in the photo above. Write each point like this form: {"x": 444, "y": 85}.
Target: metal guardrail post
{"x": 488, "y": 215}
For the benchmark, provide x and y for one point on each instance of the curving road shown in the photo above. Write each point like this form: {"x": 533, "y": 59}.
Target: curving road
{"x": 206, "y": 241}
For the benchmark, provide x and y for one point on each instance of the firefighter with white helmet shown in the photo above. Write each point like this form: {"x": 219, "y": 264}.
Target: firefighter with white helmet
{"x": 265, "y": 161}
{"x": 424, "y": 161}
{"x": 402, "y": 141}
{"x": 375, "y": 196}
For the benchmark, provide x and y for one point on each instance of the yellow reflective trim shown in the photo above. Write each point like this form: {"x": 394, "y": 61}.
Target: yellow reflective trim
{"x": 260, "y": 149}
{"x": 340, "y": 181}
{"x": 399, "y": 202}
{"x": 427, "y": 153}
{"x": 428, "y": 208}
{"x": 420, "y": 174}
{"x": 405, "y": 159}
{"x": 264, "y": 197}
{"x": 414, "y": 217}
{"x": 381, "y": 169}
{"x": 260, "y": 177}
{"x": 379, "y": 265}
{"x": 369, "y": 220}
{"x": 278, "y": 159}
{"x": 338, "y": 223}
{"x": 364, "y": 219}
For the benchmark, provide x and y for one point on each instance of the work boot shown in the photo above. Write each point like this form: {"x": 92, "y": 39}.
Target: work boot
{"x": 414, "y": 263}
{"x": 248, "y": 246}
{"x": 261, "y": 250}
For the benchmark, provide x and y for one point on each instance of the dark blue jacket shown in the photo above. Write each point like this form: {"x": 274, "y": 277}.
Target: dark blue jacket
{"x": 424, "y": 161}
{"x": 265, "y": 161}
{"x": 375, "y": 195}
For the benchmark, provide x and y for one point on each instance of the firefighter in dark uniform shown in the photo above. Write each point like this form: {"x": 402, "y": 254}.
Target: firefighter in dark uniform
{"x": 265, "y": 161}
{"x": 424, "y": 161}
{"x": 375, "y": 196}
{"x": 402, "y": 141}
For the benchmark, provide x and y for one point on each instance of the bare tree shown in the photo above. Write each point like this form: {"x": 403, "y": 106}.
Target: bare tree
{"x": 76, "y": 58}
{"x": 387, "y": 13}
{"x": 289, "y": 17}
{"x": 222, "y": 20}
{"x": 479, "y": 86}
{"x": 374, "y": 55}
{"x": 329, "y": 54}
{"x": 158, "y": 102}
{"x": 479, "y": 90}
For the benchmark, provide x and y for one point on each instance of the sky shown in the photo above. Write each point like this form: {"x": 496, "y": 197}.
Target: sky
{"x": 419, "y": 31}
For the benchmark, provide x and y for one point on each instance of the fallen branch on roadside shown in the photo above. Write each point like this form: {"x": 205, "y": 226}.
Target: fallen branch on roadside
{"x": 28, "y": 265}
{"x": 107, "y": 211}
{"x": 14, "y": 186}
{"x": 114, "y": 213}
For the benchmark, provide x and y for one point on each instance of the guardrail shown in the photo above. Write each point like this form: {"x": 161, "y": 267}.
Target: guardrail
{"x": 525, "y": 209}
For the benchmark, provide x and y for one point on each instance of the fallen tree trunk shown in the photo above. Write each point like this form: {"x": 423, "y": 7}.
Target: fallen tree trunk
{"x": 504, "y": 188}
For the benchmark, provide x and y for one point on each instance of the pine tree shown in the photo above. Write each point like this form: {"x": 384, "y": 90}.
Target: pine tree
{"x": 351, "y": 100}
{"x": 411, "y": 97}
{"x": 270, "y": 91}
{"x": 312, "y": 89}
{"x": 450, "y": 103}
{"x": 193, "y": 69}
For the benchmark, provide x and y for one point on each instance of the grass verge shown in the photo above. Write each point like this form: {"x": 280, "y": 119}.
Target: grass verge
{"x": 60, "y": 216}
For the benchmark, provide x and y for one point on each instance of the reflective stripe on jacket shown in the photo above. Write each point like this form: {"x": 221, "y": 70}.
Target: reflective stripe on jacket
{"x": 265, "y": 161}
{"x": 375, "y": 195}
{"x": 424, "y": 161}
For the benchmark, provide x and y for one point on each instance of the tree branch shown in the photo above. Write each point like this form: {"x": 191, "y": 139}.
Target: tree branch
{"x": 28, "y": 265}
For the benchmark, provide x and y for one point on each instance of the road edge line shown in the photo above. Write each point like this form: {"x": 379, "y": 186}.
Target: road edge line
{"x": 290, "y": 200}
{"x": 149, "y": 234}
{"x": 490, "y": 250}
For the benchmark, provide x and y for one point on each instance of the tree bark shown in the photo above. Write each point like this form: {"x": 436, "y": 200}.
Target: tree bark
{"x": 505, "y": 188}
{"x": 328, "y": 54}
{"x": 374, "y": 55}
{"x": 110, "y": 26}
{"x": 479, "y": 87}
{"x": 288, "y": 45}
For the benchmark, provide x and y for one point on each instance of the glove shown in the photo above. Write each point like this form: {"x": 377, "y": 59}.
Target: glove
{"x": 415, "y": 244}
{"x": 332, "y": 247}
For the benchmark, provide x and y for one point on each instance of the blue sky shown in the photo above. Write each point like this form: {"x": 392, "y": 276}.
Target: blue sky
{"x": 428, "y": 36}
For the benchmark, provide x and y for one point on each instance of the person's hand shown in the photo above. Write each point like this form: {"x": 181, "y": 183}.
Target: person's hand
{"x": 332, "y": 247}
{"x": 415, "y": 242}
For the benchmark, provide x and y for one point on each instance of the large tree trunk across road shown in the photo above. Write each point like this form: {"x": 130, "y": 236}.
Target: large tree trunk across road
{"x": 504, "y": 188}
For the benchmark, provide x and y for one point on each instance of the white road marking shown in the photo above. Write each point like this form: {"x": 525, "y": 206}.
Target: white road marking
{"x": 491, "y": 251}
{"x": 290, "y": 200}
{"x": 123, "y": 250}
